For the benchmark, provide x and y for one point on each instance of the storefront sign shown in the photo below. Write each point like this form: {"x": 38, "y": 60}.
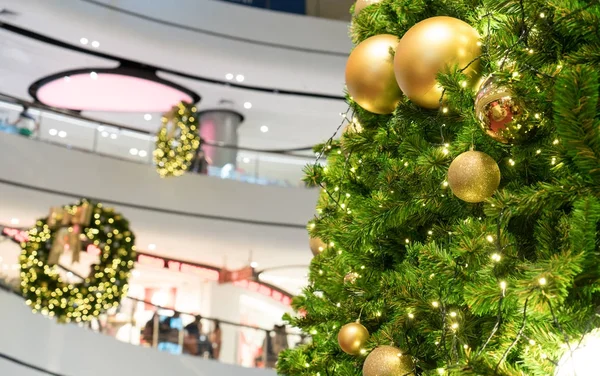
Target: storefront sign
{"x": 178, "y": 266}
{"x": 228, "y": 276}
{"x": 264, "y": 290}
{"x": 288, "y": 6}
{"x": 15, "y": 234}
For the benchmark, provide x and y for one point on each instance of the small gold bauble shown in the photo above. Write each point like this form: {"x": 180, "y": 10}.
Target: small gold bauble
{"x": 352, "y": 338}
{"x": 370, "y": 75}
{"x": 351, "y": 278}
{"x": 362, "y": 4}
{"x": 316, "y": 245}
{"x": 430, "y": 47}
{"x": 388, "y": 361}
{"x": 499, "y": 113}
{"x": 473, "y": 176}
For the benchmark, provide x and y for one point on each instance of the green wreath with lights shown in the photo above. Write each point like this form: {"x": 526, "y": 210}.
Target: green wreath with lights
{"x": 73, "y": 228}
{"x": 177, "y": 144}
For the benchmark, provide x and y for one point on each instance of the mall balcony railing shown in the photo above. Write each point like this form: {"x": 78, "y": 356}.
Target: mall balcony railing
{"x": 142, "y": 323}
{"x": 332, "y": 9}
{"x": 73, "y": 131}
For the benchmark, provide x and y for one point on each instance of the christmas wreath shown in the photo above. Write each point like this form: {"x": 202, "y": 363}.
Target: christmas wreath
{"x": 175, "y": 150}
{"x": 89, "y": 226}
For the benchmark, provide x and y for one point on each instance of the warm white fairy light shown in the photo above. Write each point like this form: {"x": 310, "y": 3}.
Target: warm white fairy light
{"x": 411, "y": 316}
{"x": 496, "y": 257}
{"x": 435, "y": 304}
{"x": 543, "y": 281}
{"x": 490, "y": 238}
{"x": 453, "y": 314}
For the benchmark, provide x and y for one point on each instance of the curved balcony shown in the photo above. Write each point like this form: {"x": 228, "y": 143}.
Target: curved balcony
{"x": 263, "y": 167}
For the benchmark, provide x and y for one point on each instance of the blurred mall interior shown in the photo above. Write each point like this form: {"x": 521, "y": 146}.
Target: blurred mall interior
{"x": 87, "y": 91}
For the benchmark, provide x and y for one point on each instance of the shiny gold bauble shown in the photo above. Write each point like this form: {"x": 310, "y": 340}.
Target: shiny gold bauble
{"x": 362, "y": 4}
{"x": 316, "y": 245}
{"x": 388, "y": 361}
{"x": 430, "y": 47}
{"x": 352, "y": 338}
{"x": 473, "y": 176}
{"x": 499, "y": 113}
{"x": 370, "y": 75}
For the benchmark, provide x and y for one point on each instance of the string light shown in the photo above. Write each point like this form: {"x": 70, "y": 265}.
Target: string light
{"x": 542, "y": 281}
{"x": 435, "y": 304}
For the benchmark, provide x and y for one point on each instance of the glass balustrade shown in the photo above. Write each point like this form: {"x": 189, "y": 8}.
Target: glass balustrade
{"x": 74, "y": 132}
{"x": 142, "y": 323}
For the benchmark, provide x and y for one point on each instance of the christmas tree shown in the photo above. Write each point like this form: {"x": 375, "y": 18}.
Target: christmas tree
{"x": 457, "y": 227}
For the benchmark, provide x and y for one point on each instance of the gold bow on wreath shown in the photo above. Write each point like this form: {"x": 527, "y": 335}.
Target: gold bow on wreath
{"x": 68, "y": 223}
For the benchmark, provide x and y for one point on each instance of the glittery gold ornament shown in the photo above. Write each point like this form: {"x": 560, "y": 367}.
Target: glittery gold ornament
{"x": 352, "y": 338}
{"x": 316, "y": 245}
{"x": 351, "y": 278}
{"x": 362, "y": 4}
{"x": 473, "y": 176}
{"x": 370, "y": 75}
{"x": 499, "y": 113}
{"x": 430, "y": 47}
{"x": 388, "y": 361}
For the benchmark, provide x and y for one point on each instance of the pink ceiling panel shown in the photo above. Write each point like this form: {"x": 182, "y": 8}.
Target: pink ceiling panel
{"x": 110, "y": 92}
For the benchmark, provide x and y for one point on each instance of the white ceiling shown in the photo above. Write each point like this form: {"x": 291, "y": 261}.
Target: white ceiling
{"x": 293, "y": 121}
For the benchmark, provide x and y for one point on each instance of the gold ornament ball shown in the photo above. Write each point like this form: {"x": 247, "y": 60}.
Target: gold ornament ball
{"x": 430, "y": 47}
{"x": 316, "y": 245}
{"x": 352, "y": 338}
{"x": 362, "y": 4}
{"x": 500, "y": 114}
{"x": 388, "y": 361}
{"x": 473, "y": 176}
{"x": 370, "y": 75}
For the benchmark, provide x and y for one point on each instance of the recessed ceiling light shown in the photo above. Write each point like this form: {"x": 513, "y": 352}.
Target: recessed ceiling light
{"x": 94, "y": 75}
{"x": 247, "y": 105}
{"x": 84, "y": 41}
{"x": 100, "y": 128}
{"x": 69, "y": 274}
{"x": 151, "y": 247}
{"x": 67, "y": 78}
{"x": 143, "y": 153}
{"x": 95, "y": 44}
{"x": 62, "y": 134}
{"x": 136, "y": 273}
{"x": 240, "y": 78}
{"x": 254, "y": 264}
{"x": 113, "y": 136}
{"x": 246, "y": 160}
{"x": 53, "y": 132}
{"x": 105, "y": 134}
{"x": 264, "y": 129}
{"x": 148, "y": 117}
{"x": 229, "y": 76}
{"x": 133, "y": 151}
{"x": 14, "y": 221}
